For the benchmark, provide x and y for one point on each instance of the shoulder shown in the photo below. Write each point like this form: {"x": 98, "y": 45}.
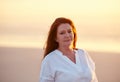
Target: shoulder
{"x": 50, "y": 57}
{"x": 81, "y": 51}
{"x": 84, "y": 53}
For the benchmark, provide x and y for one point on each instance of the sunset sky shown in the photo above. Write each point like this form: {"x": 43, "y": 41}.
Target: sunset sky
{"x": 25, "y": 23}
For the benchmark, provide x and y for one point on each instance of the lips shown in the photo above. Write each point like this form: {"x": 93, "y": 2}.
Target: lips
{"x": 67, "y": 40}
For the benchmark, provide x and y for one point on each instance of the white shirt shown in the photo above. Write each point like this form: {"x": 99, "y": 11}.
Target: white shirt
{"x": 56, "y": 67}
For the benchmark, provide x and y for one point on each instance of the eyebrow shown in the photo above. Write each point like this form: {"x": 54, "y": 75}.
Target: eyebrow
{"x": 67, "y": 29}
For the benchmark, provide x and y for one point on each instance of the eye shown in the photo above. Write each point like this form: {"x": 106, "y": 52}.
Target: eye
{"x": 62, "y": 33}
{"x": 69, "y": 31}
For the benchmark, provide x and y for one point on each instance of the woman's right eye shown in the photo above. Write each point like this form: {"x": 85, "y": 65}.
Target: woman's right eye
{"x": 61, "y": 33}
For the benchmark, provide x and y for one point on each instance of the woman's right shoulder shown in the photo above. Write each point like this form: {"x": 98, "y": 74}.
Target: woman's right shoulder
{"x": 49, "y": 56}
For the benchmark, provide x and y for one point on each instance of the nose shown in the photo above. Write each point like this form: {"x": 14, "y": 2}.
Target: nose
{"x": 67, "y": 34}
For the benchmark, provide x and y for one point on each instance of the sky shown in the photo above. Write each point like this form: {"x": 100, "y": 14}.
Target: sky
{"x": 25, "y": 23}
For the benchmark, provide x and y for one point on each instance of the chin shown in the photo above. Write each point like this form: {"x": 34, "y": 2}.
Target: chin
{"x": 68, "y": 44}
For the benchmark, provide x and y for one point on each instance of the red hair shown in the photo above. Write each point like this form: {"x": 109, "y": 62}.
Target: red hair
{"x": 51, "y": 43}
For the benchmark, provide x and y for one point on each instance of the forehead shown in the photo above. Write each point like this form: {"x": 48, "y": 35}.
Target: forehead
{"x": 64, "y": 26}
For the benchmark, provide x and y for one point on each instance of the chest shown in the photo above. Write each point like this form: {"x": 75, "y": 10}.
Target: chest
{"x": 67, "y": 71}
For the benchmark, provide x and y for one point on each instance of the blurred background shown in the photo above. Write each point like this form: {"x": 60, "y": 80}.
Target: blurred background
{"x": 24, "y": 25}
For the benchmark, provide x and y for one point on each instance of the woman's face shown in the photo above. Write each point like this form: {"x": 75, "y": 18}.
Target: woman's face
{"x": 65, "y": 35}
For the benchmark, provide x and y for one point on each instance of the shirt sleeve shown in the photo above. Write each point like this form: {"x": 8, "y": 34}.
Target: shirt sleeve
{"x": 92, "y": 65}
{"x": 95, "y": 78}
{"x": 46, "y": 72}
{"x": 90, "y": 60}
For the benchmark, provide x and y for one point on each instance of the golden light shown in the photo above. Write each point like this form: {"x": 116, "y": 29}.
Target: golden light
{"x": 25, "y": 23}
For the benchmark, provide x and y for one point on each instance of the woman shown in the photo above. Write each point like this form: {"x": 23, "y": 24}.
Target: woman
{"x": 63, "y": 62}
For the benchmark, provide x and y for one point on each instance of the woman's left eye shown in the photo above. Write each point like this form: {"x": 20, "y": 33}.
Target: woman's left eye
{"x": 69, "y": 31}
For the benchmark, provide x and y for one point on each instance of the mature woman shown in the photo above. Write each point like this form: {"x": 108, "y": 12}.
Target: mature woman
{"x": 63, "y": 62}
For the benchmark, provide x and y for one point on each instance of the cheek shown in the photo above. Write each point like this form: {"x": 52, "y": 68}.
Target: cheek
{"x": 60, "y": 38}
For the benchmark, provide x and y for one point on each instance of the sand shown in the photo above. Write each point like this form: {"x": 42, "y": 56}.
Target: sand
{"x": 23, "y": 65}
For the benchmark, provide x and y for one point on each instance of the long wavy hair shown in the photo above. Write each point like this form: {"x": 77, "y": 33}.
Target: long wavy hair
{"x": 51, "y": 43}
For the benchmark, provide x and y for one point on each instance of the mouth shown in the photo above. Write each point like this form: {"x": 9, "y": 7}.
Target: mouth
{"x": 67, "y": 40}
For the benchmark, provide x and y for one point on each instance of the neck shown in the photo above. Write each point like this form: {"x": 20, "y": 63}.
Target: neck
{"x": 66, "y": 49}
{"x": 68, "y": 52}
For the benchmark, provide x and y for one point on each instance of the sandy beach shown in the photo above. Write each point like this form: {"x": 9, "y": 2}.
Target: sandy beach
{"x": 23, "y": 65}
